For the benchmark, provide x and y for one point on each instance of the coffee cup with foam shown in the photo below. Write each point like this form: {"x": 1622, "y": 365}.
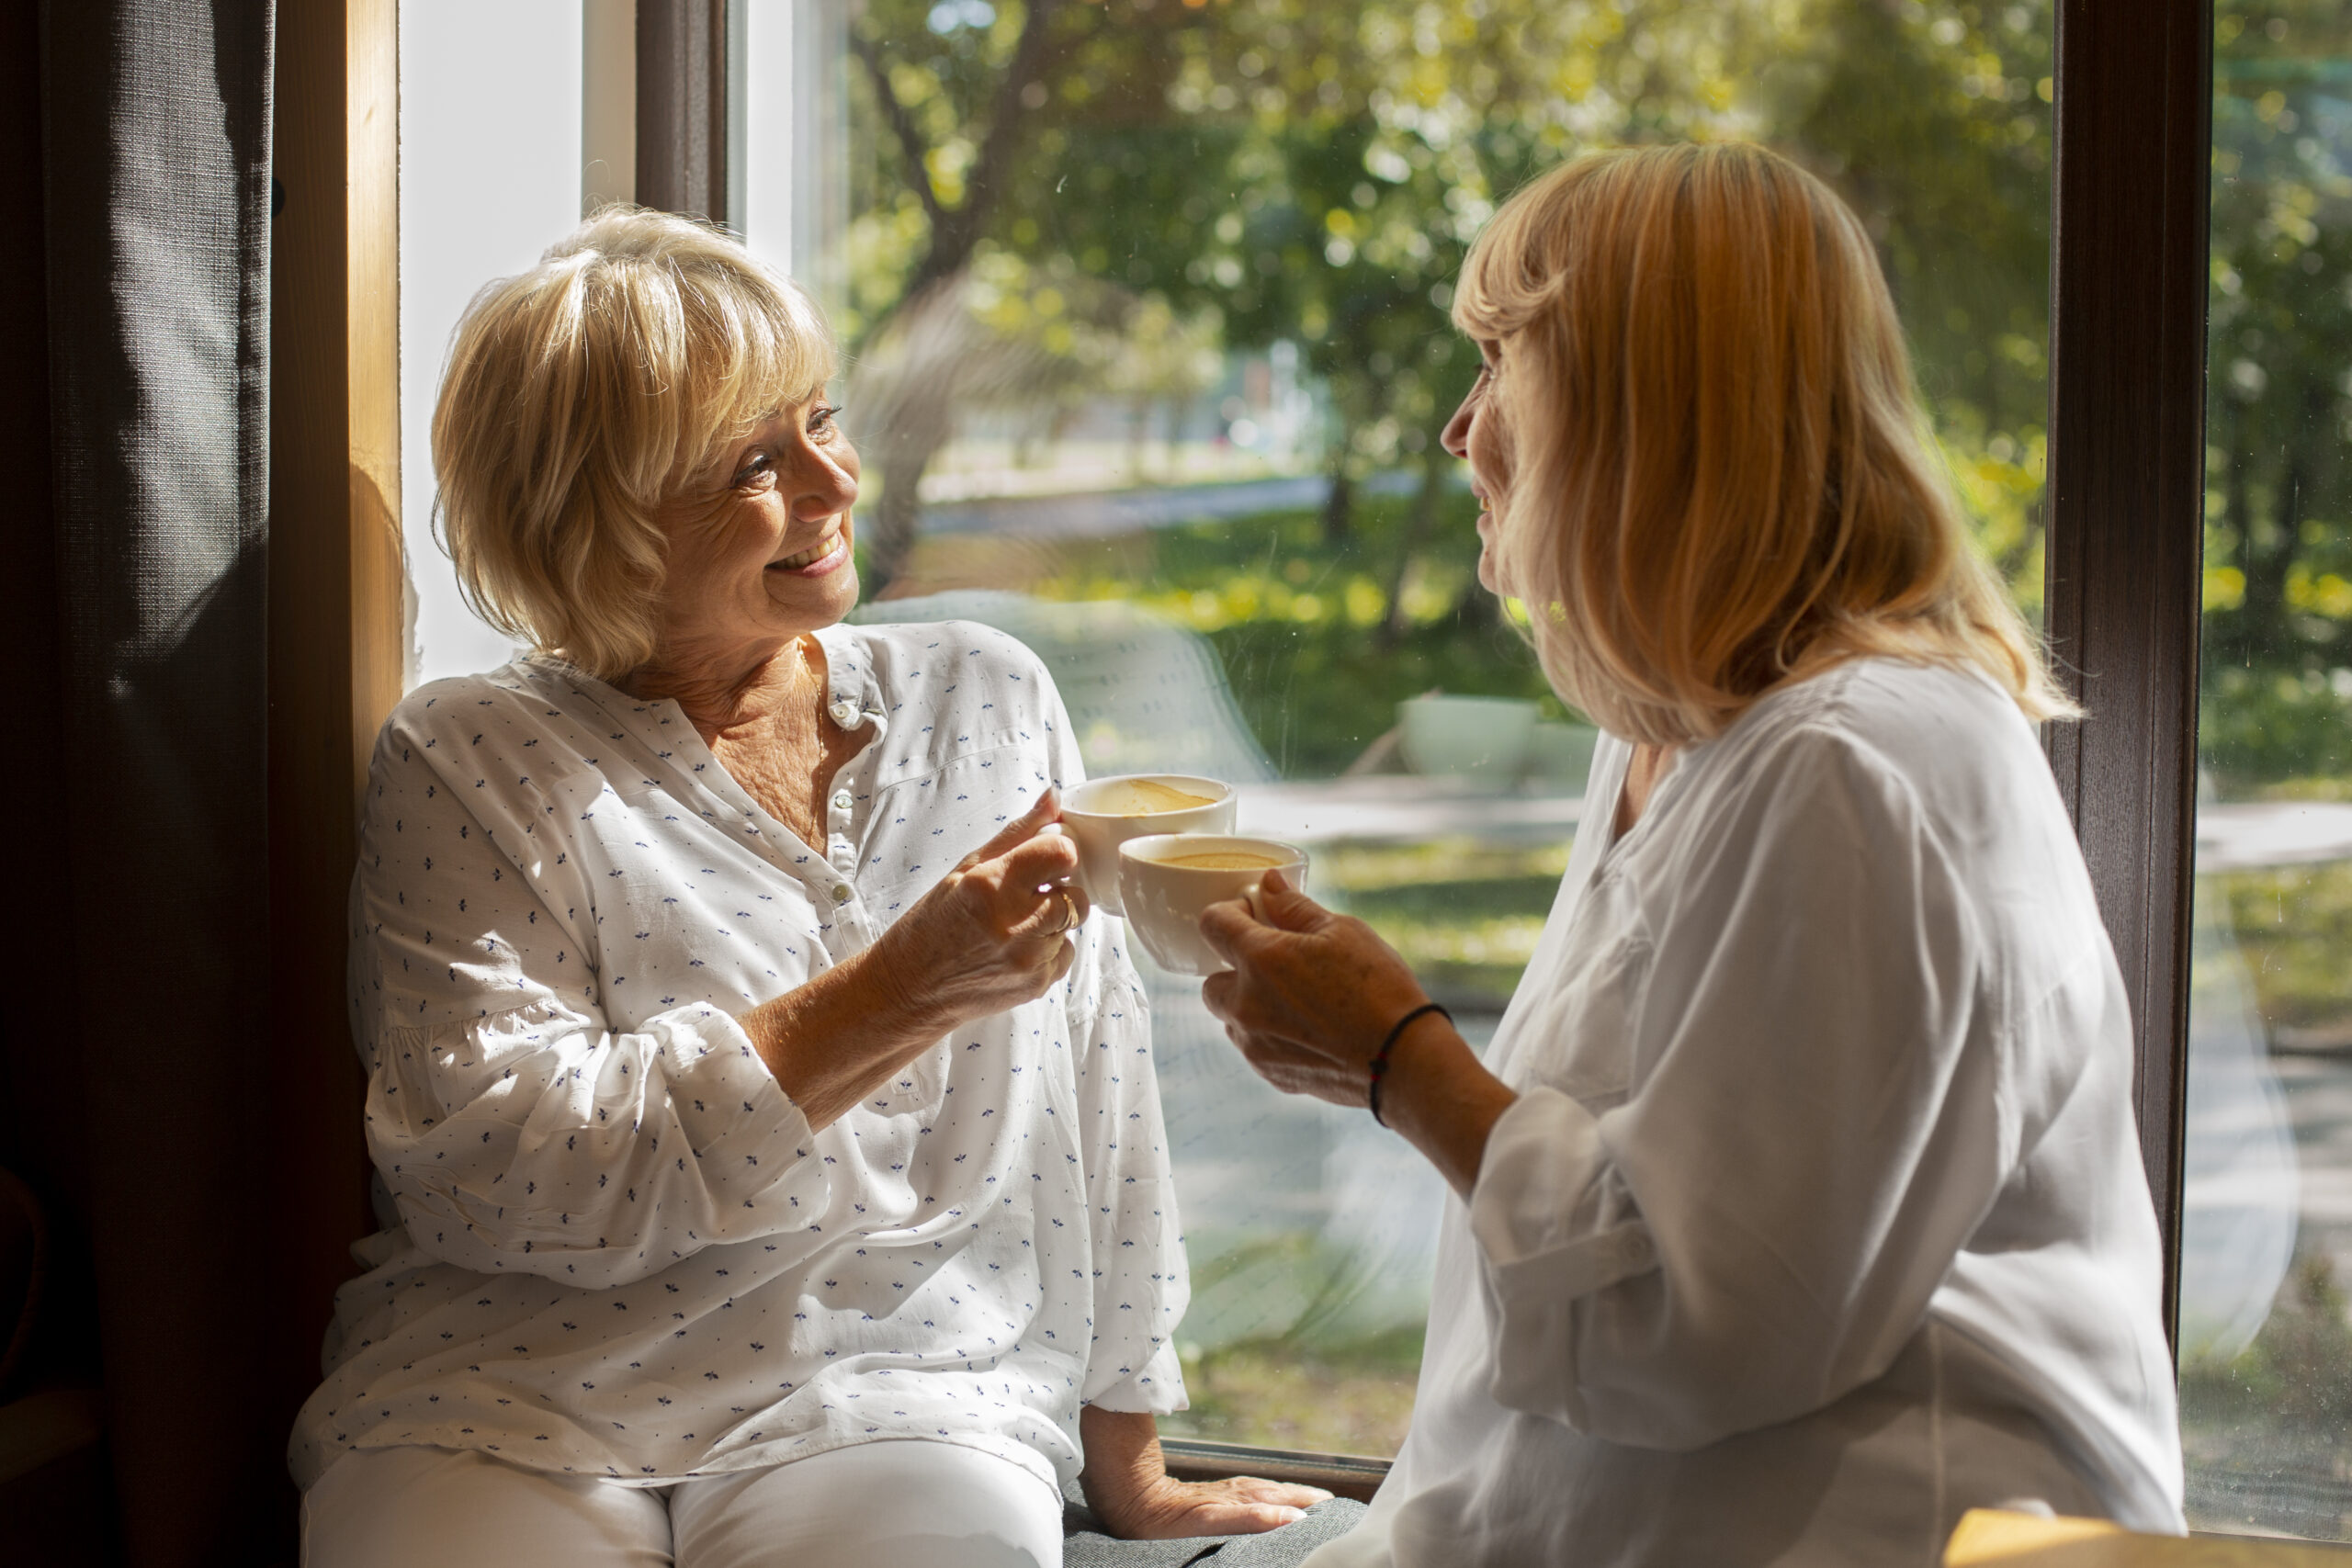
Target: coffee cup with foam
{"x": 1166, "y": 880}
{"x": 1103, "y": 814}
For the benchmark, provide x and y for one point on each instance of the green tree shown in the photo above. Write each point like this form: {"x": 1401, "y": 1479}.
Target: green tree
{"x": 2278, "y": 555}
{"x": 1268, "y": 170}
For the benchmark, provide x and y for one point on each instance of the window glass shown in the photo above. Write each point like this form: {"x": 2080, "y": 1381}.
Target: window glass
{"x": 1145, "y": 305}
{"x": 512, "y": 117}
{"x": 2266, "y": 1348}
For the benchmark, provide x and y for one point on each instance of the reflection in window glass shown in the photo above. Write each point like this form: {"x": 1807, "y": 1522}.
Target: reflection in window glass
{"x": 1145, "y": 309}
{"x": 2266, "y": 1232}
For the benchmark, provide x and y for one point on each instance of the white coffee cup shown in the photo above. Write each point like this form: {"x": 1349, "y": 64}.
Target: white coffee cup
{"x": 1092, "y": 818}
{"x": 1164, "y": 897}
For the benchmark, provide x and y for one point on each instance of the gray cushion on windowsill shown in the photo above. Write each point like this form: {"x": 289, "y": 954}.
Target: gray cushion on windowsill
{"x": 1085, "y": 1545}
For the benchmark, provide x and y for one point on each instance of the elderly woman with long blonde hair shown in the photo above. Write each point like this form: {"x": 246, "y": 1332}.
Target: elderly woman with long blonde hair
{"x": 1798, "y": 1206}
{"x": 771, "y": 1163}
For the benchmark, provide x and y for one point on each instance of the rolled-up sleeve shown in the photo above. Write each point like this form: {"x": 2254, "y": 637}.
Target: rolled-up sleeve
{"x": 1818, "y": 1122}
{"x": 515, "y": 1129}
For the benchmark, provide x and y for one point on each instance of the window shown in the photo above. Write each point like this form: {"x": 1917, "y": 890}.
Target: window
{"x": 2266, "y": 1235}
{"x": 1146, "y": 305}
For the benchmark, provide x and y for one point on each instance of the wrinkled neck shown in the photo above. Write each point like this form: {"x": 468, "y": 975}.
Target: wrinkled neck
{"x": 723, "y": 696}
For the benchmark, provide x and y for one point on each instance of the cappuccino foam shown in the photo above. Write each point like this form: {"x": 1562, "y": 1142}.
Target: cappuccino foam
{"x": 1140, "y": 797}
{"x": 1224, "y": 860}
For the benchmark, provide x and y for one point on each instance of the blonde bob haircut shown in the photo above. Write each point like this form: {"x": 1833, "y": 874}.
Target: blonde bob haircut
{"x": 586, "y": 392}
{"x": 1721, "y": 479}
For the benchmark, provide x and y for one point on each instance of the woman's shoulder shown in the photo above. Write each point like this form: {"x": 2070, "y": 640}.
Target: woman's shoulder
{"x": 1889, "y": 752}
{"x": 958, "y": 663}
{"x": 1894, "y": 716}
{"x": 527, "y": 702}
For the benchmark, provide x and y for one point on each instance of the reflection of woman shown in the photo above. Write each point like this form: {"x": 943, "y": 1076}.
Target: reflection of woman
{"x": 1800, "y": 1203}
{"x": 774, "y": 1185}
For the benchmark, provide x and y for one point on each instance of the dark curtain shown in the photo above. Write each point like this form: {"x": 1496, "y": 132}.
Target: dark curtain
{"x": 134, "y": 341}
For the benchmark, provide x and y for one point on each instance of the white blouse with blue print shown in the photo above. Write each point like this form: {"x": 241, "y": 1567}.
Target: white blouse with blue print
{"x": 621, "y": 1251}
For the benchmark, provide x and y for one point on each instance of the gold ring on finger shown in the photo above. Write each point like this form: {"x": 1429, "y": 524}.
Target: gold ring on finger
{"x": 1072, "y": 919}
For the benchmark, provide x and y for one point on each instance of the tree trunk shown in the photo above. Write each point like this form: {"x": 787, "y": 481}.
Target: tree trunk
{"x": 896, "y": 521}
{"x": 2262, "y": 614}
{"x": 1340, "y": 501}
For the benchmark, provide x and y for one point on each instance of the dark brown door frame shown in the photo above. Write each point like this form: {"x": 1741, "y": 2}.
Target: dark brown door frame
{"x": 2127, "y": 505}
{"x": 682, "y": 107}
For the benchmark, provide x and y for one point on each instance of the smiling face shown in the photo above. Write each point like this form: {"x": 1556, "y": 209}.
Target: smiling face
{"x": 759, "y": 553}
{"x": 1475, "y": 435}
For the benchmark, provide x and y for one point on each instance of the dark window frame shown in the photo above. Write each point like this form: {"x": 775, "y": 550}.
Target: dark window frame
{"x": 2126, "y": 507}
{"x": 2133, "y": 100}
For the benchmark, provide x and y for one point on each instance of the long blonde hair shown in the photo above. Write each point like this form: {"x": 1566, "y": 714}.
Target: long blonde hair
{"x": 1721, "y": 477}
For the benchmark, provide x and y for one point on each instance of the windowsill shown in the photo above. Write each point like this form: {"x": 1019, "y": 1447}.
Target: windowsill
{"x": 1350, "y": 1475}
{"x": 1343, "y": 1475}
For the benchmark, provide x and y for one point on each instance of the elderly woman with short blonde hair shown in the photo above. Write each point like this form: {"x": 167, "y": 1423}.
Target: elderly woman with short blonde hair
{"x": 775, "y": 1167}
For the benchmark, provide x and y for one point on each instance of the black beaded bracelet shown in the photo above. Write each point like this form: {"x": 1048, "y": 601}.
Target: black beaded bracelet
{"x": 1380, "y": 1058}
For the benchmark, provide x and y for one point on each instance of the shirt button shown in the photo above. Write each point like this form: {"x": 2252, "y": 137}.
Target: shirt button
{"x": 844, "y": 712}
{"x": 840, "y": 893}
{"x": 842, "y": 801}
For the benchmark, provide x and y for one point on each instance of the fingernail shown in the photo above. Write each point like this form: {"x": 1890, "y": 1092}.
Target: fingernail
{"x": 1292, "y": 1515}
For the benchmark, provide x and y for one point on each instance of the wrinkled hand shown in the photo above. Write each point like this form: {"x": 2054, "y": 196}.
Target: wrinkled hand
{"x": 994, "y": 933}
{"x": 1127, "y": 1484}
{"x": 1310, "y": 995}
{"x": 1172, "y": 1510}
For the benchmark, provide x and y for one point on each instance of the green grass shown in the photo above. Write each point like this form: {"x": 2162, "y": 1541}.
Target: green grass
{"x": 1465, "y": 915}
{"x": 1297, "y": 619}
{"x": 2293, "y": 926}
{"x": 2266, "y": 1433}
{"x": 1350, "y": 1398}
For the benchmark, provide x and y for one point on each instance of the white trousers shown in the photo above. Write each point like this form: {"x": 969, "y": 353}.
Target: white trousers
{"x": 903, "y": 1504}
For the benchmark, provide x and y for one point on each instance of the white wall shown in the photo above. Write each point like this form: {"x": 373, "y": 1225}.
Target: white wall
{"x": 490, "y": 177}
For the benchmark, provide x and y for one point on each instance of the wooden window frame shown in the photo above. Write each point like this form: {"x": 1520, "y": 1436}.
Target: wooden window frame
{"x": 2133, "y": 100}
{"x": 337, "y": 644}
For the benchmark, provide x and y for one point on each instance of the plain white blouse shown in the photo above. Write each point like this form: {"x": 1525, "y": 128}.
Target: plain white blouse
{"x": 1820, "y": 1217}
{"x": 621, "y": 1251}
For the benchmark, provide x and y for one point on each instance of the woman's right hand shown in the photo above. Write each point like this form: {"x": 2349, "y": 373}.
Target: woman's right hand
{"x": 1310, "y": 993}
{"x": 1310, "y": 1000}
{"x": 993, "y": 933}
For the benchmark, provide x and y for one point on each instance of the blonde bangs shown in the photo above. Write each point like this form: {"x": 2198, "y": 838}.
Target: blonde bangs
{"x": 582, "y": 395}
{"x": 1722, "y": 478}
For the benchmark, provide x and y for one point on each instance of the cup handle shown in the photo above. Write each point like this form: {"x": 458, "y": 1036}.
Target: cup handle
{"x": 1253, "y": 895}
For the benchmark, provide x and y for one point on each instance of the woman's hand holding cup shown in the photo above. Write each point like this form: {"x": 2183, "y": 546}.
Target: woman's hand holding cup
{"x": 1310, "y": 995}
{"x": 995, "y": 932}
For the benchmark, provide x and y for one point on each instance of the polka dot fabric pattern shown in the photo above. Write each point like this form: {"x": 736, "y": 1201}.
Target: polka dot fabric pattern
{"x": 621, "y": 1249}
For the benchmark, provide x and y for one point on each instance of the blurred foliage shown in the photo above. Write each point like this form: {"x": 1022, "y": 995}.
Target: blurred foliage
{"x": 2292, "y": 926}
{"x": 1263, "y": 170}
{"x": 1292, "y": 615}
{"x": 2298, "y": 1371}
{"x": 1465, "y": 913}
{"x": 2278, "y": 554}
{"x": 2266, "y": 1433}
{"x": 1348, "y": 1397}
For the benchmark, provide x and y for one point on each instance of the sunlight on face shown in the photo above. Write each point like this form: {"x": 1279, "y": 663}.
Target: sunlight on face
{"x": 762, "y": 554}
